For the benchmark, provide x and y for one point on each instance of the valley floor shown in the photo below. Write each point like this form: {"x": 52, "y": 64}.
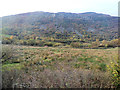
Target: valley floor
{"x": 60, "y": 67}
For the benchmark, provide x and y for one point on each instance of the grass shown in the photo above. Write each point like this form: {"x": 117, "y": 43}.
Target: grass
{"x": 67, "y": 55}
{"x": 64, "y": 60}
{"x": 12, "y": 66}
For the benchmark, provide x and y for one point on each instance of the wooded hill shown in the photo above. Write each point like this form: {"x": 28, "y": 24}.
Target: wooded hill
{"x": 59, "y": 27}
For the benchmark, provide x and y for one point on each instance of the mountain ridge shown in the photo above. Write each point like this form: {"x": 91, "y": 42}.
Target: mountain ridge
{"x": 47, "y": 24}
{"x": 58, "y": 12}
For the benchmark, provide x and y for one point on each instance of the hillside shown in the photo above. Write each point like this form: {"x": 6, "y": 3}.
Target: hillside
{"x": 60, "y": 50}
{"x": 61, "y": 25}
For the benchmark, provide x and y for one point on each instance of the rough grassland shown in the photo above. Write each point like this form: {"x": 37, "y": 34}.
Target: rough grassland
{"x": 58, "y": 67}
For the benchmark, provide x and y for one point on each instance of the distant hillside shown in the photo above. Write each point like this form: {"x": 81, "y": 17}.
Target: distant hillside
{"x": 61, "y": 25}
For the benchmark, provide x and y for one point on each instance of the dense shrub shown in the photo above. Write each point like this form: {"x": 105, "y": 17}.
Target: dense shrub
{"x": 9, "y": 78}
{"x": 76, "y": 44}
{"x": 7, "y": 54}
{"x": 114, "y": 69}
{"x": 31, "y": 42}
{"x": 40, "y": 43}
{"x": 48, "y": 44}
{"x": 57, "y": 44}
{"x": 6, "y": 41}
{"x": 65, "y": 78}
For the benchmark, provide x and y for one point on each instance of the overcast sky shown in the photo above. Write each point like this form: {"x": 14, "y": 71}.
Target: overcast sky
{"x": 11, "y": 7}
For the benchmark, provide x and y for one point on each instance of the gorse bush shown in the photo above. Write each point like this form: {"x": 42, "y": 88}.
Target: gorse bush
{"x": 114, "y": 69}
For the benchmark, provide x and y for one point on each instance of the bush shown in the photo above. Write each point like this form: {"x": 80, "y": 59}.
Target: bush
{"x": 7, "y": 54}
{"x": 67, "y": 78}
{"x": 31, "y": 42}
{"x": 40, "y": 43}
{"x": 76, "y": 45}
{"x": 114, "y": 69}
{"x": 6, "y": 41}
{"x": 57, "y": 44}
{"x": 9, "y": 78}
{"x": 48, "y": 44}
